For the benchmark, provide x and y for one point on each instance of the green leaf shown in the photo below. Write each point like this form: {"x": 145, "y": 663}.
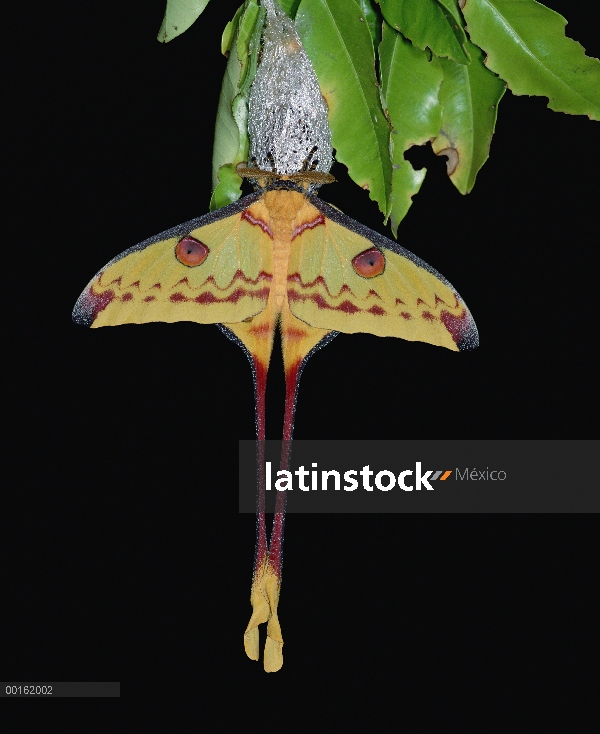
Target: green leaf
{"x": 450, "y": 7}
{"x": 179, "y": 16}
{"x": 340, "y": 48}
{"x": 229, "y": 32}
{"x": 429, "y": 24}
{"x": 470, "y": 96}
{"x": 410, "y": 84}
{"x": 231, "y": 129}
{"x": 248, "y": 43}
{"x": 527, "y": 46}
{"x": 373, "y": 21}
{"x": 229, "y": 137}
{"x": 289, "y": 7}
{"x": 229, "y": 187}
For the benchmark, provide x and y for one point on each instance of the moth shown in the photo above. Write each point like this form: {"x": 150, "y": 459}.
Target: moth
{"x": 279, "y": 258}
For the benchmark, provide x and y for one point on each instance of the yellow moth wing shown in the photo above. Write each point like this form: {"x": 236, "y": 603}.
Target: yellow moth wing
{"x": 150, "y": 281}
{"x": 402, "y": 296}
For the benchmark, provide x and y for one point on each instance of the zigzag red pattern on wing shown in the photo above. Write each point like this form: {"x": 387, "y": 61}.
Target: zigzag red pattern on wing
{"x": 238, "y": 275}
{"x": 350, "y": 308}
{"x": 345, "y": 306}
{"x": 207, "y": 298}
{"x": 93, "y": 301}
{"x": 459, "y": 327}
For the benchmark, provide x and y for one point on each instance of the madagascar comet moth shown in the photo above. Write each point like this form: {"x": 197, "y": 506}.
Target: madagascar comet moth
{"x": 279, "y": 258}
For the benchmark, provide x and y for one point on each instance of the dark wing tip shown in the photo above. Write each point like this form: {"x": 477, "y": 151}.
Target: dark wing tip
{"x": 470, "y": 339}
{"x": 89, "y": 304}
{"x": 462, "y": 328}
{"x": 82, "y": 318}
{"x": 82, "y": 313}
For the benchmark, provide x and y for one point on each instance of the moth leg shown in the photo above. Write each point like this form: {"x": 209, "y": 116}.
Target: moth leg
{"x": 307, "y": 161}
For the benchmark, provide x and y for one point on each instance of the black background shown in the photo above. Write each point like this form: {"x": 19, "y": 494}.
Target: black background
{"x": 126, "y": 558}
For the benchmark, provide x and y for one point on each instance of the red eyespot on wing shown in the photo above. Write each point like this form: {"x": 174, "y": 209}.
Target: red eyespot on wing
{"x": 191, "y": 252}
{"x": 369, "y": 263}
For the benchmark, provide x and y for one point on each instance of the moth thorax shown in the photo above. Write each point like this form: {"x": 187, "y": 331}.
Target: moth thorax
{"x": 287, "y": 115}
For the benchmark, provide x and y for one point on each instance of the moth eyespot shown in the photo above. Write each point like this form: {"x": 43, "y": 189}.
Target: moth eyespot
{"x": 369, "y": 263}
{"x": 191, "y": 252}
